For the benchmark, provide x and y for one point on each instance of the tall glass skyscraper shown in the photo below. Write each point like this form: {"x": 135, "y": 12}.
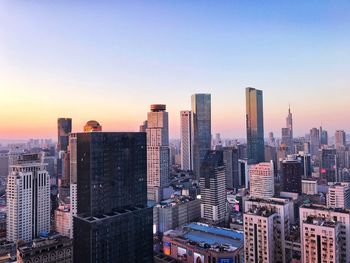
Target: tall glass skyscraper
{"x": 113, "y": 222}
{"x": 64, "y": 127}
{"x": 255, "y": 125}
{"x": 201, "y": 129}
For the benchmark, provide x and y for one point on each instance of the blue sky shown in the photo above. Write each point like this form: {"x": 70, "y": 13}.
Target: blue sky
{"x": 109, "y": 60}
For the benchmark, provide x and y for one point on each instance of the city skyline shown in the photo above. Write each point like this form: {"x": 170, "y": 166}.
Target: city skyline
{"x": 86, "y": 62}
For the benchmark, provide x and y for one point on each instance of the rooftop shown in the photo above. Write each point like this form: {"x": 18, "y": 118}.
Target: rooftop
{"x": 177, "y": 200}
{"x": 319, "y": 221}
{"x": 325, "y": 208}
{"x": 209, "y": 237}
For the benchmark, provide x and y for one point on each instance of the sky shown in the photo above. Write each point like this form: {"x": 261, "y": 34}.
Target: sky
{"x": 109, "y": 60}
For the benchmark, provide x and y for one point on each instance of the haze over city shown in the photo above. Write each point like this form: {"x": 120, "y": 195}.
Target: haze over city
{"x": 110, "y": 61}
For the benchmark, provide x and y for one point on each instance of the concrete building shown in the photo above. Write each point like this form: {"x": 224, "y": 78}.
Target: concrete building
{"x": 309, "y": 186}
{"x": 258, "y": 235}
{"x": 261, "y": 180}
{"x": 186, "y": 140}
{"x": 52, "y": 249}
{"x": 201, "y": 243}
{"x": 342, "y": 216}
{"x": 338, "y": 196}
{"x": 276, "y": 211}
{"x": 175, "y": 212}
{"x": 63, "y": 220}
{"x": 314, "y": 142}
{"x": 212, "y": 184}
{"x": 158, "y": 153}
{"x": 320, "y": 238}
{"x": 340, "y": 139}
{"x": 28, "y": 199}
{"x": 255, "y": 125}
{"x": 201, "y": 129}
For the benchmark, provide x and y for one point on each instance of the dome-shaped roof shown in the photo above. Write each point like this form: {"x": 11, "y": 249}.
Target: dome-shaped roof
{"x": 92, "y": 125}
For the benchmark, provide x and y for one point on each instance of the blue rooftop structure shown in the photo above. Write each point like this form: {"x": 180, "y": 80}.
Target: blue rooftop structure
{"x": 211, "y": 235}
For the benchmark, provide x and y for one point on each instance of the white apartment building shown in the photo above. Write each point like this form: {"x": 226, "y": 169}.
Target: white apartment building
{"x": 338, "y": 196}
{"x": 261, "y": 180}
{"x": 309, "y": 186}
{"x": 321, "y": 240}
{"x": 341, "y": 216}
{"x": 28, "y": 199}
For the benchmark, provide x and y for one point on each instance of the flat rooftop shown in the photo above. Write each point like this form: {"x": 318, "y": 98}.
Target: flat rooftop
{"x": 213, "y": 236}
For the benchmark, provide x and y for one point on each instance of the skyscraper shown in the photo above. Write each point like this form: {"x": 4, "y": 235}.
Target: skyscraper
{"x": 340, "y": 139}
{"x": 212, "y": 184}
{"x": 292, "y": 172}
{"x": 232, "y": 167}
{"x": 201, "y": 129}
{"x": 113, "y": 222}
{"x": 289, "y": 123}
{"x": 261, "y": 180}
{"x": 186, "y": 140}
{"x": 314, "y": 141}
{"x": 338, "y": 196}
{"x": 28, "y": 199}
{"x": 158, "y": 153}
{"x": 255, "y": 125}
{"x": 64, "y": 126}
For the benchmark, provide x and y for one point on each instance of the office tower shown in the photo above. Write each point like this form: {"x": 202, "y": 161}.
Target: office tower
{"x": 255, "y": 125}
{"x": 339, "y": 196}
{"x": 232, "y": 167}
{"x": 92, "y": 126}
{"x": 212, "y": 184}
{"x": 328, "y": 164}
{"x": 306, "y": 164}
{"x": 286, "y": 137}
{"x": 201, "y": 129}
{"x": 307, "y": 148}
{"x": 330, "y": 214}
{"x": 272, "y": 141}
{"x": 28, "y": 199}
{"x": 186, "y": 140}
{"x": 143, "y": 127}
{"x": 323, "y": 137}
{"x": 314, "y": 141}
{"x": 73, "y": 179}
{"x": 51, "y": 249}
{"x": 158, "y": 153}
{"x": 292, "y": 172}
{"x": 4, "y": 163}
{"x": 289, "y": 124}
{"x": 243, "y": 173}
{"x": 321, "y": 240}
{"x": 267, "y": 221}
{"x": 64, "y": 128}
{"x": 261, "y": 180}
{"x": 340, "y": 139}
{"x": 113, "y": 222}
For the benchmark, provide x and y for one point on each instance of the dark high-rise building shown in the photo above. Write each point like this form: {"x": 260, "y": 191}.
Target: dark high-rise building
{"x": 292, "y": 172}
{"x": 255, "y": 125}
{"x": 314, "y": 141}
{"x": 113, "y": 222}
{"x": 64, "y": 126}
{"x": 201, "y": 129}
{"x": 323, "y": 137}
{"x": 231, "y": 164}
{"x": 328, "y": 164}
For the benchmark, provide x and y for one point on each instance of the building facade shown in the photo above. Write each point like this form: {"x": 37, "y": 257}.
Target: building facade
{"x": 201, "y": 129}
{"x": 112, "y": 214}
{"x": 262, "y": 180}
{"x": 212, "y": 184}
{"x": 158, "y": 153}
{"x": 28, "y": 199}
{"x": 255, "y": 125}
{"x": 186, "y": 140}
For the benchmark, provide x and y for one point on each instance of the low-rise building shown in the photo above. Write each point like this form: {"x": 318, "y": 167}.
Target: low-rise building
{"x": 201, "y": 243}
{"x": 52, "y": 249}
{"x": 175, "y": 212}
